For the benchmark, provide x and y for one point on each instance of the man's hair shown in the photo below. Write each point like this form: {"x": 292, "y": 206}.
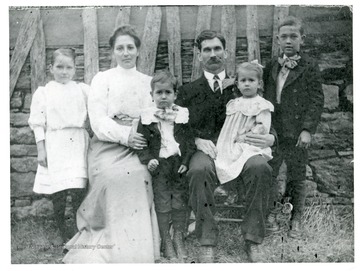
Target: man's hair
{"x": 163, "y": 76}
{"x": 209, "y": 35}
{"x": 292, "y": 21}
{"x": 125, "y": 30}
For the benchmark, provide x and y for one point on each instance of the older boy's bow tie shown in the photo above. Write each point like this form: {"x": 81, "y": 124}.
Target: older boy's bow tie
{"x": 168, "y": 114}
{"x": 289, "y": 62}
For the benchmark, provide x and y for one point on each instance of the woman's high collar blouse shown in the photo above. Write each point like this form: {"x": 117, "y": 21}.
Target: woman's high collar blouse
{"x": 120, "y": 93}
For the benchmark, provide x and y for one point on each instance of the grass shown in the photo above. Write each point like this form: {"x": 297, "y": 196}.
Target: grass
{"x": 328, "y": 236}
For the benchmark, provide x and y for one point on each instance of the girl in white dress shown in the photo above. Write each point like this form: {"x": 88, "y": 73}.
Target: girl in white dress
{"x": 57, "y": 117}
{"x": 247, "y": 114}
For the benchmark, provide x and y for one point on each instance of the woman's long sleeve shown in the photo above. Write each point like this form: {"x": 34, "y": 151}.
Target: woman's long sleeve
{"x": 103, "y": 125}
{"x": 37, "y": 119}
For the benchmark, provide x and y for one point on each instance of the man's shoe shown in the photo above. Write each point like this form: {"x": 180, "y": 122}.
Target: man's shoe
{"x": 179, "y": 245}
{"x": 252, "y": 251}
{"x": 295, "y": 229}
{"x": 206, "y": 254}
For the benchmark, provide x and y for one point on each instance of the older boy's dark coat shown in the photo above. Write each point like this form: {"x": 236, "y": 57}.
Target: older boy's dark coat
{"x": 182, "y": 133}
{"x": 302, "y": 98}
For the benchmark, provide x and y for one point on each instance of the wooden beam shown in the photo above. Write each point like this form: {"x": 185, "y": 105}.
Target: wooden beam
{"x": 24, "y": 41}
{"x": 38, "y": 59}
{"x": 150, "y": 38}
{"x": 280, "y": 12}
{"x": 228, "y": 29}
{"x": 91, "y": 47}
{"x": 174, "y": 41}
{"x": 252, "y": 33}
{"x": 122, "y": 18}
{"x": 203, "y": 23}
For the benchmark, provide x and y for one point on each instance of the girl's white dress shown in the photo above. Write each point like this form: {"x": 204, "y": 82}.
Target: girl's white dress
{"x": 116, "y": 221}
{"x": 57, "y": 115}
{"x": 243, "y": 115}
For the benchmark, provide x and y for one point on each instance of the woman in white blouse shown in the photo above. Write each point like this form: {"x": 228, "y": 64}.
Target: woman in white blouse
{"x": 116, "y": 221}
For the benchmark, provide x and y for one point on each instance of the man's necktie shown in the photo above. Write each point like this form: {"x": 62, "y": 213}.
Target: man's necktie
{"x": 288, "y": 63}
{"x": 217, "y": 90}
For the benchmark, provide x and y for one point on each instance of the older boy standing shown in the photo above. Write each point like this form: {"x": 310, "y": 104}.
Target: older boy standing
{"x": 292, "y": 84}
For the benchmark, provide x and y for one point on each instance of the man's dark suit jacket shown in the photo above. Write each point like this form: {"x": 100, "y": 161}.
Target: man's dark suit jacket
{"x": 302, "y": 98}
{"x": 182, "y": 133}
{"x": 207, "y": 112}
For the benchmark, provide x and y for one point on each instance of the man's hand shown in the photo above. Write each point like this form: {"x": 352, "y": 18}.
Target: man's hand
{"x": 304, "y": 140}
{"x": 182, "y": 169}
{"x": 228, "y": 82}
{"x": 261, "y": 141}
{"x": 153, "y": 164}
{"x": 206, "y": 146}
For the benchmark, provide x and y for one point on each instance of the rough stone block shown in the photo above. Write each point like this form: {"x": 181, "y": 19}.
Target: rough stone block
{"x": 39, "y": 208}
{"x": 310, "y": 187}
{"x": 331, "y": 96}
{"x": 23, "y": 135}
{"x": 334, "y": 176}
{"x": 16, "y": 100}
{"x": 321, "y": 154}
{"x": 349, "y": 93}
{"x": 24, "y": 164}
{"x": 22, "y": 202}
{"x": 22, "y": 184}
{"x": 27, "y": 102}
{"x": 23, "y": 150}
{"x": 19, "y": 119}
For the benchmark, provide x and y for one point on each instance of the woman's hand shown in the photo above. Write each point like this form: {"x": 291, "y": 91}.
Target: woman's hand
{"x": 152, "y": 165}
{"x": 42, "y": 155}
{"x": 304, "y": 140}
{"x": 182, "y": 169}
{"x": 206, "y": 146}
{"x": 136, "y": 141}
{"x": 261, "y": 141}
{"x": 228, "y": 82}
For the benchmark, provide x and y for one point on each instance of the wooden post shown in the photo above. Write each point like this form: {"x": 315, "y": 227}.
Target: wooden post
{"x": 38, "y": 59}
{"x": 24, "y": 41}
{"x": 122, "y": 18}
{"x": 280, "y": 12}
{"x": 203, "y": 23}
{"x": 228, "y": 29}
{"x": 174, "y": 41}
{"x": 91, "y": 47}
{"x": 252, "y": 33}
{"x": 147, "y": 56}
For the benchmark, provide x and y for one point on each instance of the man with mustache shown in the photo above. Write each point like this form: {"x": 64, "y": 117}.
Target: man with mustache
{"x": 206, "y": 99}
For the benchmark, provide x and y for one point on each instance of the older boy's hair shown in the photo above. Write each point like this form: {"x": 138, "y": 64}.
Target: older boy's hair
{"x": 209, "y": 35}
{"x": 163, "y": 76}
{"x": 292, "y": 21}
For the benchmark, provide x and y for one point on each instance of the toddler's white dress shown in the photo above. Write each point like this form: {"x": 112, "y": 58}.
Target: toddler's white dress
{"x": 243, "y": 115}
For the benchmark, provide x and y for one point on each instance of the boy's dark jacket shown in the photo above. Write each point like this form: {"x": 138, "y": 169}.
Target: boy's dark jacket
{"x": 302, "y": 98}
{"x": 183, "y": 136}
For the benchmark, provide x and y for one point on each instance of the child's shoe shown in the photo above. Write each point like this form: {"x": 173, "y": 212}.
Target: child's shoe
{"x": 179, "y": 245}
{"x": 295, "y": 229}
{"x": 167, "y": 246}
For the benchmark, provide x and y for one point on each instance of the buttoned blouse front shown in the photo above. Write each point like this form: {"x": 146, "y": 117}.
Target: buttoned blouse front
{"x": 117, "y": 93}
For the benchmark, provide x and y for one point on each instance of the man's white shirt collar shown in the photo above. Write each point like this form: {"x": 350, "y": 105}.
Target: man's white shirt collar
{"x": 210, "y": 78}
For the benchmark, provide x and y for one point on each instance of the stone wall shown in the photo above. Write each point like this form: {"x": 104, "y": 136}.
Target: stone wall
{"x": 330, "y": 172}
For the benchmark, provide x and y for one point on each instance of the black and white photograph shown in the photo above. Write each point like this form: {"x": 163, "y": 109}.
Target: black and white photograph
{"x": 174, "y": 133}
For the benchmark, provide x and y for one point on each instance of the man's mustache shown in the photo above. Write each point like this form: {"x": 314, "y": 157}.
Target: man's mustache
{"x": 214, "y": 59}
